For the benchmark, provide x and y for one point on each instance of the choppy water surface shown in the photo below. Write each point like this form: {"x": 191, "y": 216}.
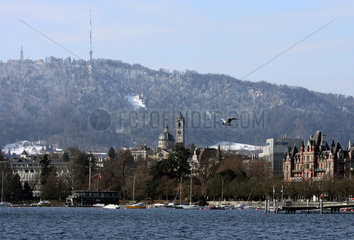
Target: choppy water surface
{"x": 87, "y": 223}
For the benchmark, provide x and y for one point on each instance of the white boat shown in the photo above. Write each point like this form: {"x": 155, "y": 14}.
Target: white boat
{"x": 5, "y": 204}
{"x": 111, "y": 206}
{"x": 191, "y": 207}
{"x": 158, "y": 205}
{"x": 98, "y": 205}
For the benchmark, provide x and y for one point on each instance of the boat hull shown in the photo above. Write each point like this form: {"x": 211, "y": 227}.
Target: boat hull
{"x": 134, "y": 207}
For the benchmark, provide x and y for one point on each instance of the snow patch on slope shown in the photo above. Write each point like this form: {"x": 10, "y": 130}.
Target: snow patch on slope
{"x": 32, "y": 148}
{"x": 135, "y": 101}
{"x": 237, "y": 146}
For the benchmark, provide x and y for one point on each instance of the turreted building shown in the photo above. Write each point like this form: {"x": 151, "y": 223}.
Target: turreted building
{"x": 317, "y": 160}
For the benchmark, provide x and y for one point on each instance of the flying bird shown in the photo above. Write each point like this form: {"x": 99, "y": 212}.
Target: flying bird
{"x": 228, "y": 121}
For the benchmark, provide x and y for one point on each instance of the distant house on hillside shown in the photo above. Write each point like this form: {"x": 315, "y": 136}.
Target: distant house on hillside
{"x": 317, "y": 160}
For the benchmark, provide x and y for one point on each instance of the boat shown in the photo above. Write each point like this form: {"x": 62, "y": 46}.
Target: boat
{"x": 135, "y": 206}
{"x": 5, "y": 204}
{"x": 174, "y": 206}
{"x": 191, "y": 206}
{"x": 111, "y": 206}
{"x": 230, "y": 207}
{"x": 217, "y": 208}
{"x": 98, "y": 205}
{"x": 179, "y": 192}
{"x": 158, "y": 205}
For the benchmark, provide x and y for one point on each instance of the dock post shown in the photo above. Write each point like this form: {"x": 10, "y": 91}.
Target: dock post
{"x": 267, "y": 206}
{"x": 321, "y": 206}
{"x": 307, "y": 204}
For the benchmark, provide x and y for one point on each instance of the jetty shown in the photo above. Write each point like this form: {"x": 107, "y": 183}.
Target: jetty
{"x": 321, "y": 206}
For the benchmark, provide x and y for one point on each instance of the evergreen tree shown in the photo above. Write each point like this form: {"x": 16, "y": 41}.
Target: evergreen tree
{"x": 80, "y": 169}
{"x": 179, "y": 158}
{"x": 111, "y": 153}
{"x": 45, "y": 169}
{"x": 14, "y": 189}
{"x": 27, "y": 192}
{"x": 66, "y": 157}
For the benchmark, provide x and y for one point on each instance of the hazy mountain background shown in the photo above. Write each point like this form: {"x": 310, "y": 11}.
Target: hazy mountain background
{"x": 59, "y": 101}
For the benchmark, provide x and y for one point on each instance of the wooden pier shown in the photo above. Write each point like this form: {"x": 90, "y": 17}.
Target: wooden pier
{"x": 292, "y": 207}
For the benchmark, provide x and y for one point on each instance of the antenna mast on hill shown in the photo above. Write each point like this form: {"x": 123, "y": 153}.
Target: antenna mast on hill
{"x": 90, "y": 38}
{"x": 21, "y": 54}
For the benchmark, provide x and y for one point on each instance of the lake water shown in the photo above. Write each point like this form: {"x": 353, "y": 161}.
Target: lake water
{"x": 88, "y": 223}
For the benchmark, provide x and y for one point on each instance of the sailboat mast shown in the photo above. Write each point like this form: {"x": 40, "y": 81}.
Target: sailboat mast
{"x": 2, "y": 186}
{"x": 180, "y": 191}
{"x": 222, "y": 189}
{"x": 133, "y": 188}
{"x": 190, "y": 193}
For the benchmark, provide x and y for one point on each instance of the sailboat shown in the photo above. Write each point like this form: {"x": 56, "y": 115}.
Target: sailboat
{"x": 134, "y": 205}
{"x": 179, "y": 191}
{"x": 191, "y": 206}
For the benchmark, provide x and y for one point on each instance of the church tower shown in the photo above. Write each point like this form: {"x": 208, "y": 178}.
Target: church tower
{"x": 180, "y": 129}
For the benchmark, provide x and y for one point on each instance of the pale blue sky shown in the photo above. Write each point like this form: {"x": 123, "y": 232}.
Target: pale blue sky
{"x": 229, "y": 37}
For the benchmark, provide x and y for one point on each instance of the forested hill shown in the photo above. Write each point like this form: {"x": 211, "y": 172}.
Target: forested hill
{"x": 116, "y": 104}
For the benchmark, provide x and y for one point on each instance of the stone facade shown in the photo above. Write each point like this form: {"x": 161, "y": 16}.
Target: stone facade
{"x": 140, "y": 152}
{"x": 318, "y": 161}
{"x": 29, "y": 171}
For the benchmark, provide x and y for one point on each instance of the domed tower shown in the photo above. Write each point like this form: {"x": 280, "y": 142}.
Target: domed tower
{"x": 180, "y": 129}
{"x": 166, "y": 139}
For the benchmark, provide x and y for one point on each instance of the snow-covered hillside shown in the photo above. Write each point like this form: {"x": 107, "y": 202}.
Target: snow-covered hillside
{"x": 32, "y": 148}
{"x": 237, "y": 146}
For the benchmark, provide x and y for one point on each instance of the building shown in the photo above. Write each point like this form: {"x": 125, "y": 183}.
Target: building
{"x": 180, "y": 133}
{"x": 159, "y": 154}
{"x": 140, "y": 152}
{"x": 166, "y": 140}
{"x": 317, "y": 160}
{"x": 29, "y": 170}
{"x": 87, "y": 198}
{"x": 204, "y": 160}
{"x": 275, "y": 149}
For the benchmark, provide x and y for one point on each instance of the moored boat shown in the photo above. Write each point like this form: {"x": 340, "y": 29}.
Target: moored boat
{"x": 111, "y": 206}
{"x": 191, "y": 207}
{"x": 98, "y": 205}
{"x": 5, "y": 204}
{"x": 135, "y": 206}
{"x": 158, "y": 205}
{"x": 216, "y": 207}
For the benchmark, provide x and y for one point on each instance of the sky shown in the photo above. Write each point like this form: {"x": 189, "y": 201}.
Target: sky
{"x": 298, "y": 43}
